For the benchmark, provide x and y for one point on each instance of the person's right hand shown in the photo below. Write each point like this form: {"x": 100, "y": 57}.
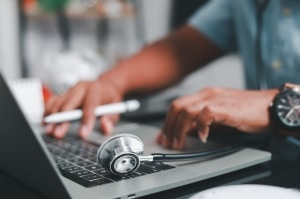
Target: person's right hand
{"x": 85, "y": 95}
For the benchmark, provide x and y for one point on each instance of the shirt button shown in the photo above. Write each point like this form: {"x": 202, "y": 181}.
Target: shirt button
{"x": 287, "y": 11}
{"x": 276, "y": 65}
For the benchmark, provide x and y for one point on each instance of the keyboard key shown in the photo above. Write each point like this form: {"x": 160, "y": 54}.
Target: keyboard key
{"x": 78, "y": 179}
{"x": 64, "y": 165}
{"x": 137, "y": 174}
{"x": 84, "y": 164}
{"x": 82, "y": 173}
{"x": 64, "y": 155}
{"x": 93, "y": 167}
{"x": 102, "y": 181}
{"x": 76, "y": 160}
{"x": 59, "y": 160}
{"x": 71, "y": 169}
{"x": 147, "y": 169}
{"x": 92, "y": 177}
{"x": 115, "y": 177}
{"x": 92, "y": 158}
{"x": 102, "y": 172}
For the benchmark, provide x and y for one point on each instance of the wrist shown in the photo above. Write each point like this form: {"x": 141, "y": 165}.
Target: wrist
{"x": 113, "y": 83}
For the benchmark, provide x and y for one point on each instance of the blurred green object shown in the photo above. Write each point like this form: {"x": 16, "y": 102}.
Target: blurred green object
{"x": 53, "y": 5}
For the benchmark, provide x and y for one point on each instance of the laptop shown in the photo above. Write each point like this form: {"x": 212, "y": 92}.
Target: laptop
{"x": 34, "y": 159}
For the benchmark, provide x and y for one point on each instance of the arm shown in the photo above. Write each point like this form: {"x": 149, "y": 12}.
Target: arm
{"x": 163, "y": 63}
{"x": 154, "y": 68}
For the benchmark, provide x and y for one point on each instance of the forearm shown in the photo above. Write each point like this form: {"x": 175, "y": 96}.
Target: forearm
{"x": 163, "y": 63}
{"x": 148, "y": 71}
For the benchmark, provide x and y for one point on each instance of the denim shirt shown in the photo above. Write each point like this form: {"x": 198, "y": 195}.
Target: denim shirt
{"x": 232, "y": 25}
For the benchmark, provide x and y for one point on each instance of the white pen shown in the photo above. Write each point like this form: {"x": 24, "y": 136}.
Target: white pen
{"x": 107, "y": 109}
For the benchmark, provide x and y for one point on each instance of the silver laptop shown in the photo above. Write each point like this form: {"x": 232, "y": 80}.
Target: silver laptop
{"x": 32, "y": 158}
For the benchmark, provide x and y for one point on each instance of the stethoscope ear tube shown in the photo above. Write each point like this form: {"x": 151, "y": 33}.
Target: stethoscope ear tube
{"x": 212, "y": 153}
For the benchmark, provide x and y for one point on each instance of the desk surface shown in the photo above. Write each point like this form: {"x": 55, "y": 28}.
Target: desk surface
{"x": 283, "y": 170}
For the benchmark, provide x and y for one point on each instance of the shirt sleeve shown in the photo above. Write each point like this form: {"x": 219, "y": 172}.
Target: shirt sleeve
{"x": 215, "y": 20}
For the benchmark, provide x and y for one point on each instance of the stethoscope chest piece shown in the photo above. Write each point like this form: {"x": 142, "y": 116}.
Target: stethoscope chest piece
{"x": 120, "y": 153}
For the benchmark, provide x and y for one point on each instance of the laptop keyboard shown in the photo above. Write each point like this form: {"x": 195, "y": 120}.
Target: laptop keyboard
{"x": 76, "y": 160}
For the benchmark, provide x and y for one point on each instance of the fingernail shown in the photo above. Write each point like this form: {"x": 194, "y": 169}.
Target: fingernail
{"x": 109, "y": 126}
{"x": 159, "y": 138}
{"x": 202, "y": 137}
{"x": 175, "y": 144}
{"x": 83, "y": 132}
{"x": 58, "y": 132}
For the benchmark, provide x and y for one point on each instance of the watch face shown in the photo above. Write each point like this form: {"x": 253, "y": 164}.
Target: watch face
{"x": 287, "y": 107}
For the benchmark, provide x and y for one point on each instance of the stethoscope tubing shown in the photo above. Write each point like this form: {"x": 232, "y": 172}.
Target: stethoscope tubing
{"x": 211, "y": 153}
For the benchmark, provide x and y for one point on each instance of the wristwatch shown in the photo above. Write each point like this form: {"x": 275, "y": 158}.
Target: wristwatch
{"x": 285, "y": 108}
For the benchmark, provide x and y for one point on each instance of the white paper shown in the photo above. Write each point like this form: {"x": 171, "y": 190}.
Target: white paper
{"x": 29, "y": 95}
{"x": 248, "y": 191}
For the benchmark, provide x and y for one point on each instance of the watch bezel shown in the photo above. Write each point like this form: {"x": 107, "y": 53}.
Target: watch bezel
{"x": 275, "y": 112}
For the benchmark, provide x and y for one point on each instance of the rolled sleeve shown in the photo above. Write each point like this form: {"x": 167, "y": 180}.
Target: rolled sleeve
{"x": 215, "y": 20}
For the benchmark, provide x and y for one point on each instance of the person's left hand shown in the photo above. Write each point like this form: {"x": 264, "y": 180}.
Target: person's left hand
{"x": 244, "y": 110}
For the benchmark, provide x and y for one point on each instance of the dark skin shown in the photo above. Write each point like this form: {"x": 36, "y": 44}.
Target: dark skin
{"x": 246, "y": 111}
{"x": 155, "y": 68}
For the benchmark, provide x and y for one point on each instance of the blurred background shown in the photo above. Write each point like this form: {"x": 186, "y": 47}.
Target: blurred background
{"x": 63, "y": 41}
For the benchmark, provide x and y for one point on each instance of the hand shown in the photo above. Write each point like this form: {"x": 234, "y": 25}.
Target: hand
{"x": 244, "y": 110}
{"x": 85, "y": 95}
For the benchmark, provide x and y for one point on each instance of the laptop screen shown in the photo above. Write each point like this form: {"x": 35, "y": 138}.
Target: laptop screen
{"x": 22, "y": 154}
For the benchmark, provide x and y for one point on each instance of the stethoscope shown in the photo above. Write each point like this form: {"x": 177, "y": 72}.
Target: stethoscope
{"x": 122, "y": 154}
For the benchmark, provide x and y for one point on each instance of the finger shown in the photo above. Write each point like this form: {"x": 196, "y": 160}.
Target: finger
{"x": 73, "y": 99}
{"x": 107, "y": 123}
{"x": 170, "y": 128}
{"x": 56, "y": 106}
{"x": 159, "y": 138}
{"x": 208, "y": 116}
{"x": 49, "y": 128}
{"x": 170, "y": 121}
{"x": 60, "y": 130}
{"x": 180, "y": 127}
{"x": 203, "y": 132}
{"x": 54, "y": 129}
{"x": 184, "y": 124}
{"x": 49, "y": 105}
{"x": 87, "y": 122}
{"x": 114, "y": 118}
{"x": 70, "y": 99}
{"x": 88, "y": 113}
